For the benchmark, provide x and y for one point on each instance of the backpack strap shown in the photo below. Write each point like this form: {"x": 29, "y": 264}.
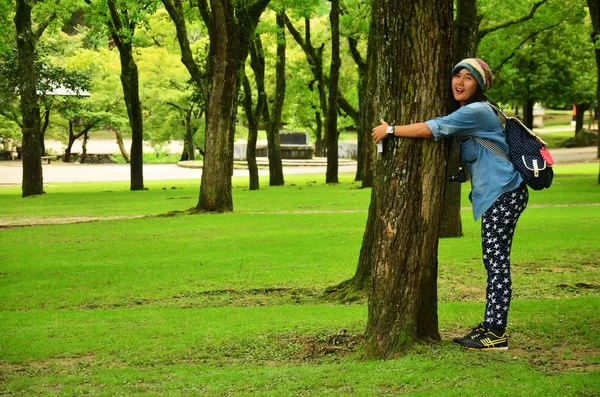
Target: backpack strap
{"x": 489, "y": 145}
{"x": 498, "y": 110}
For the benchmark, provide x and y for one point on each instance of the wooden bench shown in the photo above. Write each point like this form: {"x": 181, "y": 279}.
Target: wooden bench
{"x": 48, "y": 159}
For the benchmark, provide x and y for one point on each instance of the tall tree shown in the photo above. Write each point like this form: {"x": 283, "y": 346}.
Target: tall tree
{"x": 405, "y": 213}
{"x": 27, "y": 39}
{"x": 253, "y": 114}
{"x": 314, "y": 57}
{"x": 272, "y": 119}
{"x": 334, "y": 77}
{"x": 124, "y": 18}
{"x": 231, "y": 25}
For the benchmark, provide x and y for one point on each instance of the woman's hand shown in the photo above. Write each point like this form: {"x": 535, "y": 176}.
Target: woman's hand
{"x": 380, "y": 132}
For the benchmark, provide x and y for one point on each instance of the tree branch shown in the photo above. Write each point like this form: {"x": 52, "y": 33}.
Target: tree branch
{"x": 356, "y": 55}
{"x": 483, "y": 32}
{"x": 532, "y": 35}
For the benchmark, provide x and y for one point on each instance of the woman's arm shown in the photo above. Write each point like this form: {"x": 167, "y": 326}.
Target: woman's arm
{"x": 417, "y": 130}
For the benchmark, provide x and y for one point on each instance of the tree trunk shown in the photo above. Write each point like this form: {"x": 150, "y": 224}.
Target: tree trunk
{"x": 122, "y": 149}
{"x": 528, "y": 114}
{"x": 231, "y": 31}
{"x": 580, "y": 109}
{"x": 252, "y": 117}
{"x": 451, "y": 219}
{"x": 189, "y": 134}
{"x": 129, "y": 80}
{"x": 334, "y": 76}
{"x": 43, "y": 131}
{"x": 84, "y": 148}
{"x": 314, "y": 57}
{"x": 273, "y": 122}
{"x": 31, "y": 152}
{"x": 319, "y": 152}
{"x": 131, "y": 94}
{"x": 410, "y": 177}
{"x": 70, "y": 143}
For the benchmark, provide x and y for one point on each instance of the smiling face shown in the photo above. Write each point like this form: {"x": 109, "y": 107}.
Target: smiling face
{"x": 464, "y": 86}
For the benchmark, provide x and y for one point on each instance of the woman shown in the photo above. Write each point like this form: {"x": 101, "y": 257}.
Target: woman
{"x": 498, "y": 193}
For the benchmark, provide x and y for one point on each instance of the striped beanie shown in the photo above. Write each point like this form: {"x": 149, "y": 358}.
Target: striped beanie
{"x": 479, "y": 69}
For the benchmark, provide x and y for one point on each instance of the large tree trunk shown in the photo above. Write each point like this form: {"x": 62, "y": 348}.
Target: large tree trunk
{"x": 594, "y": 7}
{"x": 31, "y": 152}
{"x": 334, "y": 76}
{"x": 409, "y": 179}
{"x": 231, "y": 31}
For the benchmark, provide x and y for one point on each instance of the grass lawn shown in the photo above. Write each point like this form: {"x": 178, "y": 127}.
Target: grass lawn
{"x": 144, "y": 305}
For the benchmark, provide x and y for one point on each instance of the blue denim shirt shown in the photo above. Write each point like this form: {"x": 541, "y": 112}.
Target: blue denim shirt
{"x": 491, "y": 175}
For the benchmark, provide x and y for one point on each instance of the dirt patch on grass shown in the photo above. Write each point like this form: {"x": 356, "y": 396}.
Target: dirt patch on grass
{"x": 6, "y": 223}
{"x": 317, "y": 347}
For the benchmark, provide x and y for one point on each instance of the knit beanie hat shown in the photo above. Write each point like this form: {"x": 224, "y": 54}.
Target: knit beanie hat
{"x": 479, "y": 69}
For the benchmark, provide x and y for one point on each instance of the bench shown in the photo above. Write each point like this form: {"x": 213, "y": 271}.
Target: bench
{"x": 48, "y": 159}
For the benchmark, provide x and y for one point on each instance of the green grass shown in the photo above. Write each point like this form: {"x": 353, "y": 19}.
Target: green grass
{"x": 232, "y": 304}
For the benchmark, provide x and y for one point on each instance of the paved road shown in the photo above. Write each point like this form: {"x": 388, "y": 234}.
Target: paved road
{"x": 11, "y": 172}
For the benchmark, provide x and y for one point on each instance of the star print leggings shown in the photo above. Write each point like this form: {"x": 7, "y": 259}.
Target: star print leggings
{"x": 497, "y": 229}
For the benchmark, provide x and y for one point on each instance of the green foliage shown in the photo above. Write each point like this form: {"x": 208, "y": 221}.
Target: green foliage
{"x": 548, "y": 58}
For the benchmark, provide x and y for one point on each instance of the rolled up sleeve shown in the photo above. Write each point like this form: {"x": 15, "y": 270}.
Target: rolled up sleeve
{"x": 462, "y": 122}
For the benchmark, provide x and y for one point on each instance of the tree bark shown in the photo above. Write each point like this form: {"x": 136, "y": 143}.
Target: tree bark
{"x": 334, "y": 76}
{"x": 231, "y": 28}
{"x": 252, "y": 136}
{"x": 528, "y": 114}
{"x": 189, "y": 133}
{"x": 580, "y": 109}
{"x": 319, "y": 152}
{"x": 31, "y": 151}
{"x": 409, "y": 179}
{"x": 43, "y": 131}
{"x": 122, "y": 149}
{"x": 131, "y": 92}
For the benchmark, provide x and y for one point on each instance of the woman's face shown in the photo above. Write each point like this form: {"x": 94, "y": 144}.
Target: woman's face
{"x": 464, "y": 86}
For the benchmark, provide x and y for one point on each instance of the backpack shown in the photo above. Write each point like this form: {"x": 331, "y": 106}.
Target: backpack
{"x": 527, "y": 152}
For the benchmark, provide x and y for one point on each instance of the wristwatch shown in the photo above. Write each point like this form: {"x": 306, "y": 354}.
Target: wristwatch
{"x": 390, "y": 130}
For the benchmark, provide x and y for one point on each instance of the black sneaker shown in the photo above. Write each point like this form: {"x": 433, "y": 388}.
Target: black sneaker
{"x": 473, "y": 334}
{"x": 486, "y": 340}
